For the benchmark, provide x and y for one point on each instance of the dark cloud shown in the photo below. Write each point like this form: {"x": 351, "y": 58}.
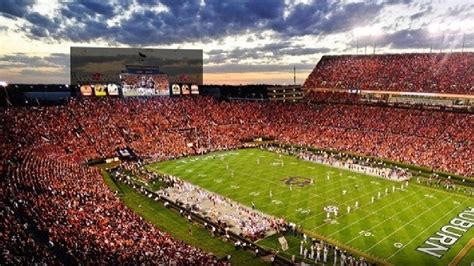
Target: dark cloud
{"x": 418, "y": 39}
{"x": 407, "y": 38}
{"x": 191, "y": 20}
{"x": 186, "y": 20}
{"x": 323, "y": 17}
{"x": 461, "y": 11}
{"x": 422, "y": 13}
{"x": 269, "y": 52}
{"x": 99, "y": 7}
{"x": 22, "y": 60}
{"x": 15, "y": 8}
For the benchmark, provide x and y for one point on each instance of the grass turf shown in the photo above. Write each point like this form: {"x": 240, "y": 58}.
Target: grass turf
{"x": 177, "y": 226}
{"x": 389, "y": 229}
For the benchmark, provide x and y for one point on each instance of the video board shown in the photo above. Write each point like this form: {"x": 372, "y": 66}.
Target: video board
{"x": 86, "y": 90}
{"x": 184, "y": 89}
{"x": 99, "y": 90}
{"x": 144, "y": 85}
{"x": 96, "y": 65}
{"x": 112, "y": 89}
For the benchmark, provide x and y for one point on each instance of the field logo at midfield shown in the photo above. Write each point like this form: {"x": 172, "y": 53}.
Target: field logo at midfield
{"x": 297, "y": 181}
{"x": 439, "y": 243}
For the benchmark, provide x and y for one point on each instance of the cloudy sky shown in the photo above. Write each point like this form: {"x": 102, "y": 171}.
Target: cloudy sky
{"x": 244, "y": 41}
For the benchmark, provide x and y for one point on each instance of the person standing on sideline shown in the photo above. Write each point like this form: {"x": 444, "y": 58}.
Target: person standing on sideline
{"x": 325, "y": 254}
{"x": 318, "y": 253}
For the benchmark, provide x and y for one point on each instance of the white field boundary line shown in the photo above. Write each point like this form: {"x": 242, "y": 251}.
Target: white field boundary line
{"x": 428, "y": 227}
{"x": 370, "y": 213}
{"x": 354, "y": 171}
{"x": 443, "y": 191}
{"x": 407, "y": 223}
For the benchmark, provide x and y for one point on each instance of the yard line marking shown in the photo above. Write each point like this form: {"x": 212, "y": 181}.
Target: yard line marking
{"x": 254, "y": 178}
{"x": 339, "y": 180}
{"x": 299, "y": 159}
{"x": 400, "y": 221}
{"x": 344, "y": 203}
{"x": 370, "y": 213}
{"x": 326, "y": 192}
{"x": 428, "y": 227}
{"x": 414, "y": 218}
{"x": 442, "y": 191}
{"x": 315, "y": 196}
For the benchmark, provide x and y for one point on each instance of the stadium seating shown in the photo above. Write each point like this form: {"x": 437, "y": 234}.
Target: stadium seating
{"x": 71, "y": 216}
{"x": 436, "y": 73}
{"x": 60, "y": 210}
{"x": 161, "y": 128}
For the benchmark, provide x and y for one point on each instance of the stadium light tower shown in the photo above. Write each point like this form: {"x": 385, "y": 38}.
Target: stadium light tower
{"x": 462, "y": 27}
{"x": 367, "y": 31}
{"x": 433, "y": 29}
{"x": 375, "y": 33}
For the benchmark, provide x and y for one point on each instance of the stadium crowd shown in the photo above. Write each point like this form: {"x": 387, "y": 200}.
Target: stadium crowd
{"x": 57, "y": 208}
{"x": 161, "y": 128}
{"x": 439, "y": 73}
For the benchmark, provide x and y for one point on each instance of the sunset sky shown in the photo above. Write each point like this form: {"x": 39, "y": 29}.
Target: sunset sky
{"x": 244, "y": 41}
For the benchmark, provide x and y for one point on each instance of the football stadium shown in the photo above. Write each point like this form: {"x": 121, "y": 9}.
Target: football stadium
{"x": 142, "y": 158}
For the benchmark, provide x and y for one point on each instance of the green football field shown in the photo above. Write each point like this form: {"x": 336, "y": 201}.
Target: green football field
{"x": 390, "y": 229}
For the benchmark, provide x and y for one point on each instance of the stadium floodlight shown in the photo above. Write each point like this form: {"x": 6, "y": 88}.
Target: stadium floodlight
{"x": 3, "y": 83}
{"x": 367, "y": 31}
{"x": 434, "y": 28}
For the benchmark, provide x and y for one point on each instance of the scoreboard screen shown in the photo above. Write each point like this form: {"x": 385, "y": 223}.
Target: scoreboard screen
{"x": 144, "y": 85}
{"x": 101, "y": 65}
